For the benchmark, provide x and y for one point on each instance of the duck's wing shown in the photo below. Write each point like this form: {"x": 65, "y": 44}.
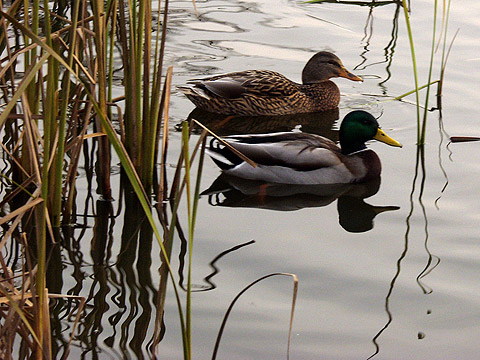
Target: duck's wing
{"x": 299, "y": 151}
{"x": 234, "y": 85}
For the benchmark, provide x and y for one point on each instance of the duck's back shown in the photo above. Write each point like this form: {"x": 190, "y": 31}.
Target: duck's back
{"x": 294, "y": 158}
{"x": 260, "y": 92}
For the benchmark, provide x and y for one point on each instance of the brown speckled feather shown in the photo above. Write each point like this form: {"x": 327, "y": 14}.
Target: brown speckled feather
{"x": 265, "y": 92}
{"x": 261, "y": 92}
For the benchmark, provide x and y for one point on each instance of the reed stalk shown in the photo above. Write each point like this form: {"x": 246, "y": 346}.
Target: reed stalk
{"x": 100, "y": 39}
{"x": 422, "y": 124}
{"x": 185, "y": 139}
{"x": 62, "y": 123}
{"x": 445, "y": 54}
{"x": 49, "y": 120}
{"x": 414, "y": 62}
{"x": 427, "y": 96}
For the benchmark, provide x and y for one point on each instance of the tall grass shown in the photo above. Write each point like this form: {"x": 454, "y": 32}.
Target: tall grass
{"x": 65, "y": 93}
{"x": 422, "y": 121}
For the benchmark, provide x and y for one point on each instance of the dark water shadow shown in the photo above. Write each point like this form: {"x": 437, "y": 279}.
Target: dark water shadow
{"x": 320, "y": 123}
{"x": 354, "y": 214}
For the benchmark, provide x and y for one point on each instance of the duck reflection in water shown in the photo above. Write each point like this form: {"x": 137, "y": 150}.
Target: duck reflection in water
{"x": 293, "y": 170}
{"x": 320, "y": 123}
{"x": 354, "y": 214}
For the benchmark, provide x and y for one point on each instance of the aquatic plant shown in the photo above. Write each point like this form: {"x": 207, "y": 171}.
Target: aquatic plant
{"x": 65, "y": 97}
{"x": 422, "y": 121}
{"x": 63, "y": 102}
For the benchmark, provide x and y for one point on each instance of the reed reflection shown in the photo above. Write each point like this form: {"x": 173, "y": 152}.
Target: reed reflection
{"x": 98, "y": 297}
{"x": 389, "y": 49}
{"x": 210, "y": 285}
{"x": 135, "y": 280}
{"x": 355, "y": 215}
{"x": 372, "y": 3}
{"x": 432, "y": 260}
{"x": 120, "y": 296}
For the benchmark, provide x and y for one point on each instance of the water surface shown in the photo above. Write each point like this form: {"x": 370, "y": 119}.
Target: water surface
{"x": 406, "y": 287}
{"x": 401, "y": 284}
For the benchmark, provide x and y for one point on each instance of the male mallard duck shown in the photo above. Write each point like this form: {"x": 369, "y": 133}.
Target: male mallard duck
{"x": 301, "y": 158}
{"x": 264, "y": 92}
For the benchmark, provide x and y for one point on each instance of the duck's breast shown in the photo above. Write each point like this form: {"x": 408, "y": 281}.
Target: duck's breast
{"x": 364, "y": 165}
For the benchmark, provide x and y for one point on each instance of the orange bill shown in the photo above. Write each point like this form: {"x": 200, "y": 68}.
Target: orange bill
{"x": 348, "y": 75}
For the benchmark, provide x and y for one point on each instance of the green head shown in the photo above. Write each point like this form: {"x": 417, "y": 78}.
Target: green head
{"x": 357, "y": 128}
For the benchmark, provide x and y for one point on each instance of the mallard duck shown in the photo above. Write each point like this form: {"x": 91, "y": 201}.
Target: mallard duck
{"x": 302, "y": 158}
{"x": 265, "y": 92}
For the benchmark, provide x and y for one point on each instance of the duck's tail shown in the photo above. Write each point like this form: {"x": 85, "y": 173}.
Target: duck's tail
{"x": 222, "y": 156}
{"x": 194, "y": 91}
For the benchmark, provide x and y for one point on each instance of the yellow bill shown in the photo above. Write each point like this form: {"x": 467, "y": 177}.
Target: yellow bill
{"x": 381, "y": 136}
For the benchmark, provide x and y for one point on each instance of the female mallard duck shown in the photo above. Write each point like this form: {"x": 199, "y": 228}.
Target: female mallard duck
{"x": 301, "y": 158}
{"x": 264, "y": 92}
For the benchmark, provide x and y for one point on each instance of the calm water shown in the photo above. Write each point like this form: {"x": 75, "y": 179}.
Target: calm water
{"x": 399, "y": 285}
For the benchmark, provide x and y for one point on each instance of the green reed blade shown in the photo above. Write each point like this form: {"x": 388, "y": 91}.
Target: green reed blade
{"x": 186, "y": 151}
{"x": 62, "y": 122}
{"x": 414, "y": 62}
{"x": 399, "y": 97}
{"x": 432, "y": 52}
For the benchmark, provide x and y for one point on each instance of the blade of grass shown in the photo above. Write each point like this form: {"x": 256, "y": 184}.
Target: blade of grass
{"x": 162, "y": 191}
{"x": 40, "y": 42}
{"x": 22, "y": 315}
{"x": 186, "y": 151}
{"x": 20, "y": 210}
{"x": 22, "y": 88}
{"x": 196, "y": 196}
{"x": 232, "y": 304}
{"x": 414, "y": 62}
{"x": 17, "y": 220}
{"x": 230, "y": 147}
{"x": 432, "y": 52}
{"x": 399, "y": 97}
{"x": 445, "y": 55}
